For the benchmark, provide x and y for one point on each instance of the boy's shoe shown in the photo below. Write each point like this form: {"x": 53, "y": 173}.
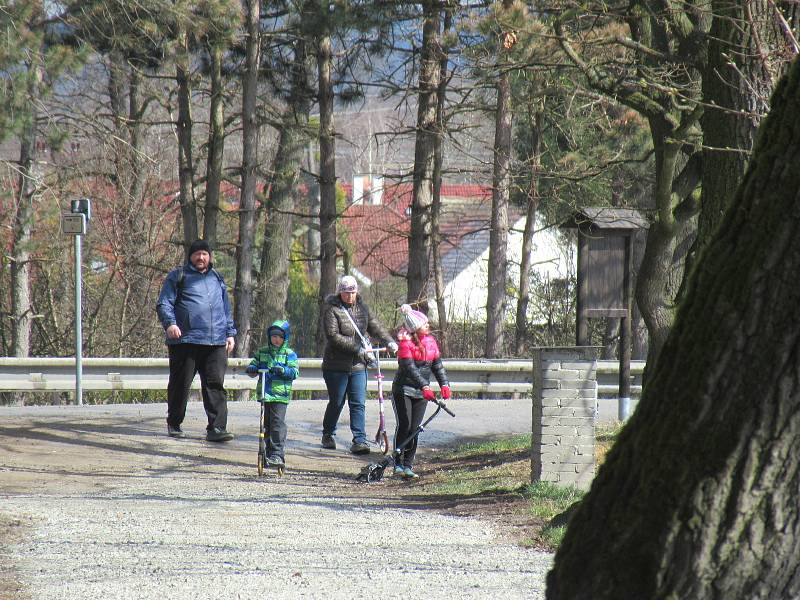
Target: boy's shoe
{"x": 275, "y": 461}
{"x": 409, "y": 474}
{"x": 218, "y": 435}
{"x": 328, "y": 442}
{"x": 399, "y": 470}
{"x": 175, "y": 432}
{"x": 359, "y": 448}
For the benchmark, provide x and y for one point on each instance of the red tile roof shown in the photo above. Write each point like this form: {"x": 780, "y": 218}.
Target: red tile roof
{"x": 378, "y": 233}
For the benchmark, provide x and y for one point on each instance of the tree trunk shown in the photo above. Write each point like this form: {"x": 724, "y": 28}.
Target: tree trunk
{"x": 273, "y": 283}
{"x": 312, "y": 236}
{"x": 498, "y": 231}
{"x": 187, "y": 198}
{"x": 327, "y": 181}
{"x": 521, "y": 324}
{"x": 737, "y": 83}
{"x": 698, "y": 498}
{"x": 419, "y": 241}
{"x": 247, "y": 205}
{"x": 436, "y": 207}
{"x": 640, "y": 340}
{"x": 216, "y": 146}
{"x": 21, "y": 300}
{"x": 661, "y": 272}
{"x": 131, "y": 240}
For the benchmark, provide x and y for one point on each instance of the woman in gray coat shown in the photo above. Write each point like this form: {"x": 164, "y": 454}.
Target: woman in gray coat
{"x": 346, "y": 320}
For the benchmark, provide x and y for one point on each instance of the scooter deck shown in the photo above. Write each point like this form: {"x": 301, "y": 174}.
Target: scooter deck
{"x": 264, "y": 467}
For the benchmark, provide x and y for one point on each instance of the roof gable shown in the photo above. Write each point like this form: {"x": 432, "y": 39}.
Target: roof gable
{"x": 379, "y": 233}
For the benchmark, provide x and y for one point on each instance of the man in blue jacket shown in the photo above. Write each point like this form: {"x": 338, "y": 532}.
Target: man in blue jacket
{"x": 195, "y": 311}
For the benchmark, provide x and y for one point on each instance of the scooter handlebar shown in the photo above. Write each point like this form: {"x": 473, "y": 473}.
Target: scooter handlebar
{"x": 443, "y": 406}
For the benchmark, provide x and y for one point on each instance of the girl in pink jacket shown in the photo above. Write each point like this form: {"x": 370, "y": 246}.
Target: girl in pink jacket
{"x": 418, "y": 358}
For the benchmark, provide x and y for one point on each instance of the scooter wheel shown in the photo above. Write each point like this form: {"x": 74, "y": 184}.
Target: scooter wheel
{"x": 383, "y": 442}
{"x": 260, "y": 464}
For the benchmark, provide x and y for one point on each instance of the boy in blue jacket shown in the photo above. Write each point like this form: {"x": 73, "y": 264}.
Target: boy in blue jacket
{"x": 281, "y": 362}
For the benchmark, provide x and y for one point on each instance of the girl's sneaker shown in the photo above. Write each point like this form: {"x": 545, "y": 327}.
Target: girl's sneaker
{"x": 409, "y": 474}
{"x": 399, "y": 470}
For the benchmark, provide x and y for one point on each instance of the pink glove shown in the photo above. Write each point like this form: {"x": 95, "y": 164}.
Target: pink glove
{"x": 445, "y": 392}
{"x": 427, "y": 393}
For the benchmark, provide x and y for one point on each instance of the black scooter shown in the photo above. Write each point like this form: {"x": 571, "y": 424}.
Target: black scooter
{"x": 374, "y": 471}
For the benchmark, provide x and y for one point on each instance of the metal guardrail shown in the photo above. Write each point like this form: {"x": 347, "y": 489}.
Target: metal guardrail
{"x": 474, "y": 376}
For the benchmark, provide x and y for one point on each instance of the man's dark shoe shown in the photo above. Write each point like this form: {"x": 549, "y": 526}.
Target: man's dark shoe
{"x": 218, "y": 435}
{"x": 359, "y": 448}
{"x": 328, "y": 442}
{"x": 175, "y": 431}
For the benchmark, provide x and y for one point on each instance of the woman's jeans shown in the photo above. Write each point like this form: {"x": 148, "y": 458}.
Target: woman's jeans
{"x": 354, "y": 386}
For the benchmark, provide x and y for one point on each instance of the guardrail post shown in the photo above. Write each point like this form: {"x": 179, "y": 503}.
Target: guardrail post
{"x": 563, "y": 414}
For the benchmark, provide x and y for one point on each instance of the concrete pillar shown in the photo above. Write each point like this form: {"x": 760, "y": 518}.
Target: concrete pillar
{"x": 563, "y": 419}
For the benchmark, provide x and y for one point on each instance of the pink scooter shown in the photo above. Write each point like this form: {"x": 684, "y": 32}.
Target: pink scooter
{"x": 381, "y": 439}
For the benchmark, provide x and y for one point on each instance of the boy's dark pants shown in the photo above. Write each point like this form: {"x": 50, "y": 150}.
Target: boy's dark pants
{"x": 275, "y": 427}
{"x": 210, "y": 361}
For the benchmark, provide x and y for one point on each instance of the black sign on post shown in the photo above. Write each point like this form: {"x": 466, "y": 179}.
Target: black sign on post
{"x": 604, "y": 276}
{"x": 75, "y": 224}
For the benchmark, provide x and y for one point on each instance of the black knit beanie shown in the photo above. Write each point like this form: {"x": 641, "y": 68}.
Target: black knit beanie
{"x": 199, "y": 245}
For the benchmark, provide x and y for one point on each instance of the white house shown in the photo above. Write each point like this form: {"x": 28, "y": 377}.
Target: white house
{"x": 466, "y": 268}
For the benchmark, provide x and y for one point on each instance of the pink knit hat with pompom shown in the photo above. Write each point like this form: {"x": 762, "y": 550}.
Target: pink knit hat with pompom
{"x": 413, "y": 319}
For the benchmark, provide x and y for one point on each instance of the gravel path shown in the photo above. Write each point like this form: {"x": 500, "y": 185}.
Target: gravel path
{"x": 111, "y": 508}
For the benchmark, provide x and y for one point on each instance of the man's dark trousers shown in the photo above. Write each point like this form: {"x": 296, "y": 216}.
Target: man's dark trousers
{"x": 185, "y": 360}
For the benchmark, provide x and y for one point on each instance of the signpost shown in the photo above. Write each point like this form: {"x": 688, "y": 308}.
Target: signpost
{"x": 75, "y": 224}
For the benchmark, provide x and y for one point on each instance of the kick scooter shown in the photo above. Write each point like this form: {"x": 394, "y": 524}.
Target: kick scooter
{"x": 262, "y": 430}
{"x": 381, "y": 439}
{"x": 374, "y": 471}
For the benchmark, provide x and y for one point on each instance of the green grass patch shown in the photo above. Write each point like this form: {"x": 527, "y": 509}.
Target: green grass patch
{"x": 510, "y": 444}
{"x": 548, "y": 499}
{"x": 502, "y": 466}
{"x": 468, "y": 482}
{"x": 552, "y": 536}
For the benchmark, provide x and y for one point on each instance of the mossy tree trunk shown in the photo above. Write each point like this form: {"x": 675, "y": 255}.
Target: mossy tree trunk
{"x": 698, "y": 498}
{"x": 273, "y": 277}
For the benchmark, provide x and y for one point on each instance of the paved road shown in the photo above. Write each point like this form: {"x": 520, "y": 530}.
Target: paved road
{"x": 103, "y": 504}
